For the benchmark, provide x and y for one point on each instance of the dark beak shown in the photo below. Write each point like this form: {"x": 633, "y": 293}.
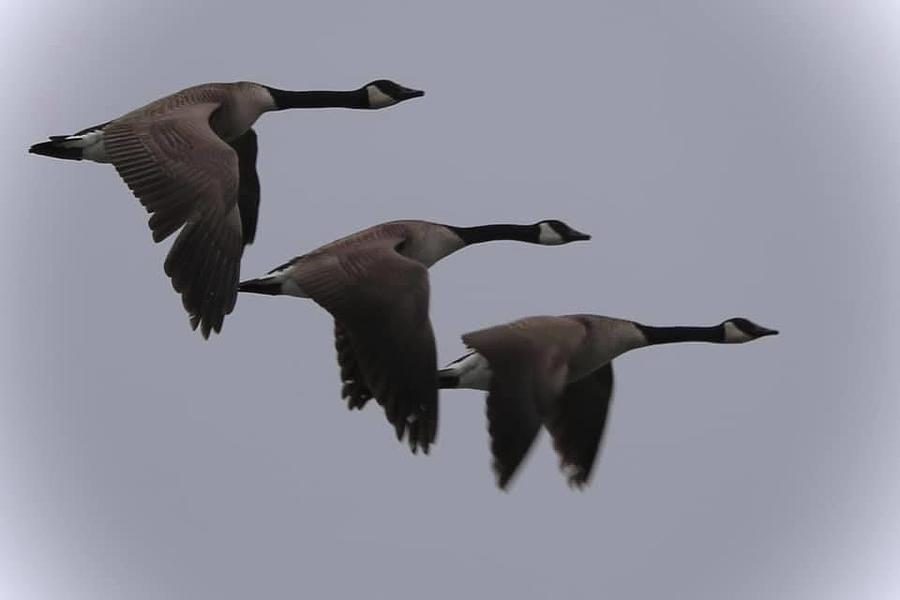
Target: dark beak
{"x": 763, "y": 332}
{"x": 577, "y": 236}
{"x": 411, "y": 93}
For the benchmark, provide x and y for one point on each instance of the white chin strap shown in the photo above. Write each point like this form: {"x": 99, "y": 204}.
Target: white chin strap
{"x": 548, "y": 236}
{"x": 733, "y": 335}
{"x": 377, "y": 98}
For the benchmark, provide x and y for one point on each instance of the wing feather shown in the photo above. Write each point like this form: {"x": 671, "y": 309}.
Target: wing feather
{"x": 529, "y": 362}
{"x": 380, "y": 299}
{"x": 188, "y": 179}
{"x": 579, "y": 422}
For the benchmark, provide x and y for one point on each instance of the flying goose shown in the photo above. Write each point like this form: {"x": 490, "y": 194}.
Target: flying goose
{"x": 557, "y": 372}
{"x": 190, "y": 158}
{"x": 375, "y": 285}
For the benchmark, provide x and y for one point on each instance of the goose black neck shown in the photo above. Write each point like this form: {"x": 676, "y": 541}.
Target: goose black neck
{"x": 319, "y": 99}
{"x": 671, "y": 335}
{"x": 490, "y": 233}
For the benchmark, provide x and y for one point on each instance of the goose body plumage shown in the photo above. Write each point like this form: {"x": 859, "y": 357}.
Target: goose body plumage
{"x": 375, "y": 285}
{"x": 190, "y": 158}
{"x": 556, "y": 372}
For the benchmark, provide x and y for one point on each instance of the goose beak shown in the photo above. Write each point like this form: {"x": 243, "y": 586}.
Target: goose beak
{"x": 411, "y": 93}
{"x": 764, "y": 331}
{"x": 577, "y": 236}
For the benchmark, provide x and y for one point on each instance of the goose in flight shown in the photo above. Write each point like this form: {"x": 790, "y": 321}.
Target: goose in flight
{"x": 375, "y": 285}
{"x": 190, "y": 158}
{"x": 557, "y": 372}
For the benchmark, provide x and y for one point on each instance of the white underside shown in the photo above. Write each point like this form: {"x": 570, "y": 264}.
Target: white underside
{"x": 289, "y": 287}
{"x": 473, "y": 370}
{"x": 91, "y": 144}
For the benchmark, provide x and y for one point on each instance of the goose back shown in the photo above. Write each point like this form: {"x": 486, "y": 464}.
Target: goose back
{"x": 421, "y": 241}
{"x": 584, "y": 342}
{"x": 545, "y": 344}
{"x": 240, "y": 104}
{"x": 605, "y": 339}
{"x": 379, "y": 300}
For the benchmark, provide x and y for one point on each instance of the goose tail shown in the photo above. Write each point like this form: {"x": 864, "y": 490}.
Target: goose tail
{"x": 269, "y": 285}
{"x": 448, "y": 379}
{"x": 470, "y": 371}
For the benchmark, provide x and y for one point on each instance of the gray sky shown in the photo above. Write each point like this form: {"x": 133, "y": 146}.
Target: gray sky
{"x": 731, "y": 161}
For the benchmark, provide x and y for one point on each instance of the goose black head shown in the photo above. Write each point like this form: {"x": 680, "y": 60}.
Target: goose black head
{"x": 382, "y": 93}
{"x": 739, "y": 330}
{"x": 553, "y": 233}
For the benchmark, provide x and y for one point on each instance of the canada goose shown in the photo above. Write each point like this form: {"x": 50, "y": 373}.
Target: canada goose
{"x": 557, "y": 372}
{"x": 190, "y": 158}
{"x": 375, "y": 285}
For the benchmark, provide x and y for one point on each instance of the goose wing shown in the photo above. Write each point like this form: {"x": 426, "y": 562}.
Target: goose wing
{"x": 513, "y": 424}
{"x": 187, "y": 177}
{"x": 380, "y": 301}
{"x": 578, "y": 423}
{"x": 529, "y": 362}
{"x": 248, "y": 184}
{"x": 354, "y": 388}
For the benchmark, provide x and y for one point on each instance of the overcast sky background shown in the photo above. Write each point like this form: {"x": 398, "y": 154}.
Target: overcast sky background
{"x": 729, "y": 158}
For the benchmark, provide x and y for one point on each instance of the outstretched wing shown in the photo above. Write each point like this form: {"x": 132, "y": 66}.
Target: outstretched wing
{"x": 579, "y": 421}
{"x": 187, "y": 177}
{"x": 513, "y": 424}
{"x": 248, "y": 186}
{"x": 353, "y": 389}
{"x": 380, "y": 299}
{"x": 529, "y": 362}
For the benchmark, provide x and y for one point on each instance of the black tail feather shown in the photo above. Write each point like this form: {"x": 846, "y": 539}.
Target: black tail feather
{"x": 269, "y": 287}
{"x": 55, "y": 149}
{"x": 447, "y": 379}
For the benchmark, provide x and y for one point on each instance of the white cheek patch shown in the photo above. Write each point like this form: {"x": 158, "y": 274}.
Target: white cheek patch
{"x": 733, "y": 335}
{"x": 377, "y": 98}
{"x": 549, "y": 237}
